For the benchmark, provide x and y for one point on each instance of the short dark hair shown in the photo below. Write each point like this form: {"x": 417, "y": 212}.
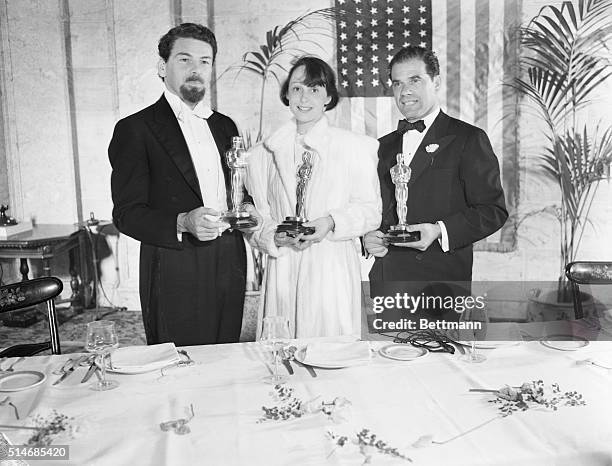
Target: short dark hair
{"x": 432, "y": 66}
{"x": 317, "y": 73}
{"x": 186, "y": 31}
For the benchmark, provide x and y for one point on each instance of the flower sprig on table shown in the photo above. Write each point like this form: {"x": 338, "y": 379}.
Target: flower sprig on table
{"x": 368, "y": 444}
{"x": 532, "y": 394}
{"x": 50, "y": 427}
{"x": 291, "y": 407}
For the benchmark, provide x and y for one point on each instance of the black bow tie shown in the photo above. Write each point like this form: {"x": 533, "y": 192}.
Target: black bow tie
{"x": 405, "y": 125}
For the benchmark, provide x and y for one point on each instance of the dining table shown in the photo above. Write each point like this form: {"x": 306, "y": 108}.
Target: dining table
{"x": 435, "y": 408}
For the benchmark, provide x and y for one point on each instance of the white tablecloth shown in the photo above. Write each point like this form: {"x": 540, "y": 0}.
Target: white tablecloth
{"x": 400, "y": 401}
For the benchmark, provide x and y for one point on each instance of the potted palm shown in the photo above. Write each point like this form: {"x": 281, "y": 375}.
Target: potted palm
{"x": 564, "y": 62}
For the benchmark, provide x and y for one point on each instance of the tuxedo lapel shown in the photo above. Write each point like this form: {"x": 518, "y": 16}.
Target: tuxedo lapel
{"x": 168, "y": 132}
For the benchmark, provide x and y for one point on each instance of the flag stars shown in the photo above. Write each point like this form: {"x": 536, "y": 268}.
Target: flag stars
{"x": 422, "y": 33}
{"x": 359, "y": 58}
{"x": 374, "y": 34}
{"x": 344, "y": 71}
{"x": 374, "y": 47}
{"x": 343, "y": 60}
{"x": 389, "y": 34}
{"x": 423, "y": 44}
{"x": 343, "y": 48}
{"x": 389, "y": 22}
{"x": 373, "y": 10}
{"x": 374, "y": 22}
{"x": 358, "y": 23}
{"x": 389, "y": 57}
{"x": 359, "y": 35}
{"x": 359, "y": 71}
{"x": 422, "y": 9}
{"x": 406, "y": 21}
{"x": 406, "y": 9}
{"x": 359, "y": 83}
{"x": 422, "y": 21}
{"x": 358, "y": 10}
{"x": 406, "y": 44}
{"x": 359, "y": 47}
{"x": 343, "y": 36}
{"x": 389, "y": 46}
{"x": 375, "y": 82}
{"x": 406, "y": 33}
{"x": 342, "y": 24}
{"x": 374, "y": 59}
{"x": 389, "y": 10}
{"x": 375, "y": 70}
{"x": 344, "y": 83}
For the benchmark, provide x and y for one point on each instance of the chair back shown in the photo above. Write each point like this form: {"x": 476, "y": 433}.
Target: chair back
{"x": 30, "y": 293}
{"x": 587, "y": 273}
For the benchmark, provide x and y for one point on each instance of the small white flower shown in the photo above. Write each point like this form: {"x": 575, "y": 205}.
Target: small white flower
{"x": 430, "y": 148}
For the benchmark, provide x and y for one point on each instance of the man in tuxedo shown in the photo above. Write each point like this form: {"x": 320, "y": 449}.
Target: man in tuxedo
{"x": 169, "y": 185}
{"x": 454, "y": 194}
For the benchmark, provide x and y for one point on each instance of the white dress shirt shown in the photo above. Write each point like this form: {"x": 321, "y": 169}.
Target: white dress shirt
{"x": 410, "y": 143}
{"x": 202, "y": 149}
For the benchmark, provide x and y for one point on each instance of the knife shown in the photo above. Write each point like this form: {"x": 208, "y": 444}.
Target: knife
{"x": 65, "y": 375}
{"x": 92, "y": 368}
{"x": 285, "y": 360}
{"x": 71, "y": 369}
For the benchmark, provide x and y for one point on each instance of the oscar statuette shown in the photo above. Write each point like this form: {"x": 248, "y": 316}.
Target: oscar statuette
{"x": 400, "y": 175}
{"x": 293, "y": 226}
{"x": 236, "y": 159}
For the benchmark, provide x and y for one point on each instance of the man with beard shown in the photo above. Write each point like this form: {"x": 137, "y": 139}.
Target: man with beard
{"x": 169, "y": 185}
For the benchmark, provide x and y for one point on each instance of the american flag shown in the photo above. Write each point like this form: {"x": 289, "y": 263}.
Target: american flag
{"x": 476, "y": 45}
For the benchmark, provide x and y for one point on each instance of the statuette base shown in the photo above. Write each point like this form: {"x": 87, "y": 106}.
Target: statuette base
{"x": 293, "y": 226}
{"x": 239, "y": 220}
{"x": 399, "y": 234}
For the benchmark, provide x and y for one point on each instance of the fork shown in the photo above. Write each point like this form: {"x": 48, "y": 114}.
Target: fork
{"x": 291, "y": 353}
{"x": 7, "y": 401}
{"x": 10, "y": 368}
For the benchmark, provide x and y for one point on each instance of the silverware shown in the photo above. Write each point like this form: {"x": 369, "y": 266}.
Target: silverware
{"x": 92, "y": 368}
{"x": 7, "y": 401}
{"x": 189, "y": 361}
{"x": 10, "y": 368}
{"x": 291, "y": 350}
{"x": 4, "y": 426}
{"x": 285, "y": 361}
{"x": 69, "y": 370}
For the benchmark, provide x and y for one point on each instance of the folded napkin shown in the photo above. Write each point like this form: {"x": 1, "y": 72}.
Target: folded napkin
{"x": 137, "y": 357}
{"x": 330, "y": 353}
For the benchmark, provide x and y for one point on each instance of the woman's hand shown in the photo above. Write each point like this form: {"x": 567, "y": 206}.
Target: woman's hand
{"x": 322, "y": 226}
{"x": 283, "y": 240}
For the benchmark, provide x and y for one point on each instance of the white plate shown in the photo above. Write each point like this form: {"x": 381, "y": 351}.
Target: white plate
{"x": 20, "y": 380}
{"x": 300, "y": 356}
{"x": 564, "y": 342}
{"x": 402, "y": 352}
{"x": 489, "y": 344}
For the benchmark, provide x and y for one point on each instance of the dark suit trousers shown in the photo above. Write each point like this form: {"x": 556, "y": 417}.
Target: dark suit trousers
{"x": 193, "y": 296}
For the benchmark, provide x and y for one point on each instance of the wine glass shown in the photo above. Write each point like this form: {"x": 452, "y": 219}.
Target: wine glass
{"x": 274, "y": 334}
{"x": 480, "y": 318}
{"x": 101, "y": 339}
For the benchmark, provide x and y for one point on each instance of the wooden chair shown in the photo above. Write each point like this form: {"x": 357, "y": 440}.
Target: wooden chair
{"x": 30, "y": 293}
{"x": 586, "y": 273}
